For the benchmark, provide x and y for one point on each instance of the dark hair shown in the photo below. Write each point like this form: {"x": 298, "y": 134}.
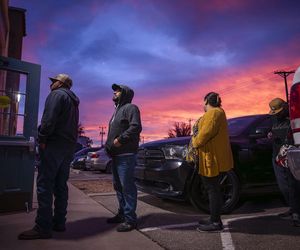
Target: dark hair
{"x": 213, "y": 99}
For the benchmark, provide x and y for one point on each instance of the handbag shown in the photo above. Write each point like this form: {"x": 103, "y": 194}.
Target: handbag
{"x": 281, "y": 158}
{"x": 192, "y": 156}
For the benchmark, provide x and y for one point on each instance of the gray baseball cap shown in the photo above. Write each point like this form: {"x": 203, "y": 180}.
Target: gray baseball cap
{"x": 64, "y": 78}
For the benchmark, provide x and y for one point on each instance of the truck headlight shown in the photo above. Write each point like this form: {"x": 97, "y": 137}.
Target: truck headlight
{"x": 175, "y": 152}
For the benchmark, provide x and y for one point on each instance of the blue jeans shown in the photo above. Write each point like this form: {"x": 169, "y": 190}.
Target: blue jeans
{"x": 124, "y": 184}
{"x": 282, "y": 177}
{"x": 53, "y": 174}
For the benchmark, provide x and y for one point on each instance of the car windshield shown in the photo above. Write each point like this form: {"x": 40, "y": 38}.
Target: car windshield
{"x": 237, "y": 125}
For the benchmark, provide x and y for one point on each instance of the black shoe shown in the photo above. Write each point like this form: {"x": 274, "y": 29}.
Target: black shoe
{"x": 204, "y": 221}
{"x": 286, "y": 215}
{"x": 296, "y": 220}
{"x": 59, "y": 228}
{"x": 118, "y": 218}
{"x": 126, "y": 227}
{"x": 33, "y": 234}
{"x": 211, "y": 227}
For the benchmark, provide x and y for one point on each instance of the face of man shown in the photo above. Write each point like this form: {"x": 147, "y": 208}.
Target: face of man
{"x": 116, "y": 96}
{"x": 55, "y": 85}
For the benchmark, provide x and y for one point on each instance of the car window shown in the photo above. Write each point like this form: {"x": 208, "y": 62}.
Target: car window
{"x": 237, "y": 125}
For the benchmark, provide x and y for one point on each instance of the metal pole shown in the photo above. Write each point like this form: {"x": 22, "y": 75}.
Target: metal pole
{"x": 286, "y": 89}
{"x": 102, "y": 133}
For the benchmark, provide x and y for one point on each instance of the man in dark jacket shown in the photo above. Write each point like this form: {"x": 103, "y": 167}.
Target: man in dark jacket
{"x": 280, "y": 135}
{"x": 57, "y": 140}
{"x": 122, "y": 144}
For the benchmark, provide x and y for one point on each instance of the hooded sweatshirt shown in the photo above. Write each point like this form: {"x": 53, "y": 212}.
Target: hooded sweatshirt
{"x": 60, "y": 118}
{"x": 125, "y": 125}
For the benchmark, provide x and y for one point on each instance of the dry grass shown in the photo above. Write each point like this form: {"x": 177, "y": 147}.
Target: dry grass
{"x": 94, "y": 186}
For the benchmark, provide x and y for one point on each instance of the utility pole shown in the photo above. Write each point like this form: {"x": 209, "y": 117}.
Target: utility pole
{"x": 102, "y": 133}
{"x": 285, "y": 74}
{"x": 142, "y": 139}
{"x": 190, "y": 122}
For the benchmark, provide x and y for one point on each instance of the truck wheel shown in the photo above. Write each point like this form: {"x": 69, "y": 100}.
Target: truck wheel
{"x": 230, "y": 187}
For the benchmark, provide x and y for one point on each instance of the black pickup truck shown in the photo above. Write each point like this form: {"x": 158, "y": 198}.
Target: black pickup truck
{"x": 162, "y": 170}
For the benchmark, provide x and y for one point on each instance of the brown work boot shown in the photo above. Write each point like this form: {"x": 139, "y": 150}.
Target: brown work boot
{"x": 33, "y": 234}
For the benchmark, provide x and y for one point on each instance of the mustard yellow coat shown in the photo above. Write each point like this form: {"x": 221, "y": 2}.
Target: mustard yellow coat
{"x": 212, "y": 143}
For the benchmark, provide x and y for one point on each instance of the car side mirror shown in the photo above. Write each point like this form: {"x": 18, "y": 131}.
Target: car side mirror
{"x": 259, "y": 133}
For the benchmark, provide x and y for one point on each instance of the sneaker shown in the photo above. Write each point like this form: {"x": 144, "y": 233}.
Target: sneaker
{"x": 285, "y": 215}
{"x": 33, "y": 234}
{"x": 211, "y": 227}
{"x": 59, "y": 228}
{"x": 296, "y": 220}
{"x": 118, "y": 218}
{"x": 126, "y": 227}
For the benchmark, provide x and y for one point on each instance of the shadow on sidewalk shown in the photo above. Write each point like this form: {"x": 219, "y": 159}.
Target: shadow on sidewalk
{"x": 84, "y": 228}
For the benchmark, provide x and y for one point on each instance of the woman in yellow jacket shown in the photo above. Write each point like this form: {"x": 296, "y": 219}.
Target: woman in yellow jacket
{"x": 215, "y": 156}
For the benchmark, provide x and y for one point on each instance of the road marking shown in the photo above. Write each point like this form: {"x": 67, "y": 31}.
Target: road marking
{"x": 226, "y": 238}
{"x": 148, "y": 229}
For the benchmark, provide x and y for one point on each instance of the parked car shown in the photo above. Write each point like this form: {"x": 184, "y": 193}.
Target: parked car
{"x": 99, "y": 160}
{"x": 78, "y": 161}
{"x": 162, "y": 170}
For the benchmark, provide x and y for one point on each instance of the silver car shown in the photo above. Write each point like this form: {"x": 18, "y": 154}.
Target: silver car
{"x": 98, "y": 160}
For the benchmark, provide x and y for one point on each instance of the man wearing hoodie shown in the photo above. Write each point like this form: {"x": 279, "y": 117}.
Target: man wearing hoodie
{"x": 122, "y": 144}
{"x": 57, "y": 138}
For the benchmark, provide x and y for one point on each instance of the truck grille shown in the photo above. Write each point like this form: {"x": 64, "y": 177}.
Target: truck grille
{"x": 150, "y": 156}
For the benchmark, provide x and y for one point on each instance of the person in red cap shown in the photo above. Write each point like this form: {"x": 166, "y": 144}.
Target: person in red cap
{"x": 57, "y": 139}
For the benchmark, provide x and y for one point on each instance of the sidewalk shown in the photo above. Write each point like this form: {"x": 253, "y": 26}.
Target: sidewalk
{"x": 86, "y": 229}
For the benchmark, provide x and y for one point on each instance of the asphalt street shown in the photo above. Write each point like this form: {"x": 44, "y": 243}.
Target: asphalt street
{"x": 172, "y": 225}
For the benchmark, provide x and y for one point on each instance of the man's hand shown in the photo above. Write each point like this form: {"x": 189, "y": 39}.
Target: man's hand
{"x": 117, "y": 143}
{"x": 42, "y": 146}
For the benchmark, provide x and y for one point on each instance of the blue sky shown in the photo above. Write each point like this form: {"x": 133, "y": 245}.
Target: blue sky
{"x": 170, "y": 52}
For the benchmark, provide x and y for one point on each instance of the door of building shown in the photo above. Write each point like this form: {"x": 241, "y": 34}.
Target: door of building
{"x": 19, "y": 99}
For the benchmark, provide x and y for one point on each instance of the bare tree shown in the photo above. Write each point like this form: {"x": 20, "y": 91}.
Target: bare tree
{"x": 180, "y": 129}
{"x": 82, "y": 139}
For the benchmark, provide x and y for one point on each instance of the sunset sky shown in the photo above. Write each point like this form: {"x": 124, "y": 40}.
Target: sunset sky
{"x": 171, "y": 52}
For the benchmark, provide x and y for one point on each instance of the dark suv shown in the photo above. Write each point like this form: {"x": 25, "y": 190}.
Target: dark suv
{"x": 162, "y": 171}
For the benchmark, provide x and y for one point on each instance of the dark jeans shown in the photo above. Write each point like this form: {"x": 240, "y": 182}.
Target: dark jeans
{"x": 212, "y": 185}
{"x": 124, "y": 184}
{"x": 282, "y": 177}
{"x": 53, "y": 174}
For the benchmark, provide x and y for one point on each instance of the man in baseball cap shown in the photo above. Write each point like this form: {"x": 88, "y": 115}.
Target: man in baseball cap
{"x": 61, "y": 80}
{"x": 57, "y": 137}
{"x": 276, "y": 106}
{"x": 280, "y": 135}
